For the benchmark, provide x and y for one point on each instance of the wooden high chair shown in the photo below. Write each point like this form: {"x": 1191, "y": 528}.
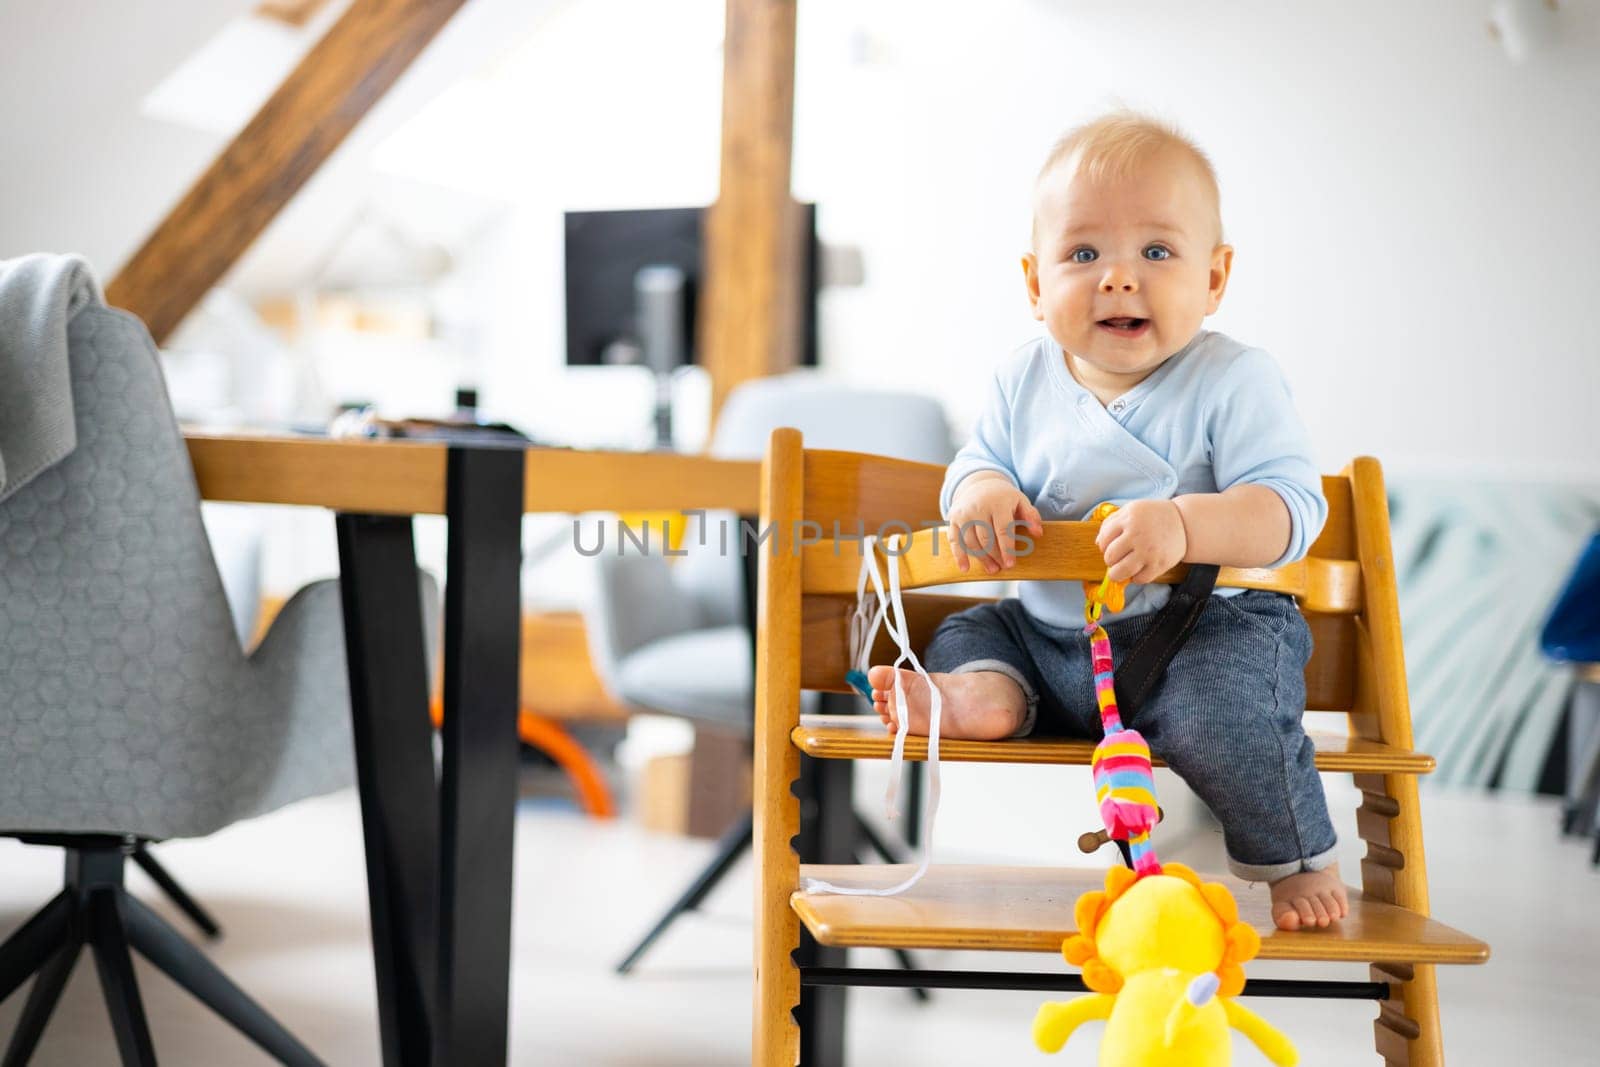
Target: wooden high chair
{"x": 1346, "y": 589}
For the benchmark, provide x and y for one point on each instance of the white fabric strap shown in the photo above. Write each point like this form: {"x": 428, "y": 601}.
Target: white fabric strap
{"x": 864, "y": 626}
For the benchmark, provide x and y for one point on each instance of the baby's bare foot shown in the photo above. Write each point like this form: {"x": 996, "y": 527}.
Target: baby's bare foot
{"x": 978, "y": 705}
{"x": 1310, "y": 898}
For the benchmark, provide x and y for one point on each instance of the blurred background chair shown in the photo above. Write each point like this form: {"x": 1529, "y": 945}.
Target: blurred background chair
{"x": 129, "y": 712}
{"x": 1571, "y": 634}
{"x": 678, "y": 640}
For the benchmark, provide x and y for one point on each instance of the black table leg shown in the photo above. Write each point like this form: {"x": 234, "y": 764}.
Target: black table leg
{"x": 394, "y": 771}
{"x": 829, "y": 833}
{"x": 478, "y": 784}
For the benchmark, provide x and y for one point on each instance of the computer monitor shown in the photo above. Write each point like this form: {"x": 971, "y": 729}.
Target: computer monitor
{"x": 606, "y": 250}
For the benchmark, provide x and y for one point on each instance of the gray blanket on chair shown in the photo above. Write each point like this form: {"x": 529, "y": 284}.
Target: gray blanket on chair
{"x": 39, "y": 295}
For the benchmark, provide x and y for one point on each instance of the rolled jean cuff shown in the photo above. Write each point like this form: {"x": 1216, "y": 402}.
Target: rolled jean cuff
{"x": 1002, "y": 667}
{"x": 1274, "y": 872}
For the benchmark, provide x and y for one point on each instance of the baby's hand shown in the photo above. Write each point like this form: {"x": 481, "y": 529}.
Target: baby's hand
{"x": 981, "y": 521}
{"x": 1143, "y": 540}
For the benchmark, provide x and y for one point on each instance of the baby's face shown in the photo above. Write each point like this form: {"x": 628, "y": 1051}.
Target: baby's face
{"x": 1123, "y": 271}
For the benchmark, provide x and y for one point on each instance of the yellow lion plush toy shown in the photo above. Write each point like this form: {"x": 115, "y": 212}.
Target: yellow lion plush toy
{"x": 1164, "y": 954}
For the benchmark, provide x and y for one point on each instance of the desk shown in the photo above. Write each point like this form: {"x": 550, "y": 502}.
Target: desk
{"x": 438, "y": 848}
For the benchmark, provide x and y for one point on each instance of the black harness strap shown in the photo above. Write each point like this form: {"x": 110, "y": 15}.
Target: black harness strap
{"x": 1139, "y": 672}
{"x": 1147, "y": 661}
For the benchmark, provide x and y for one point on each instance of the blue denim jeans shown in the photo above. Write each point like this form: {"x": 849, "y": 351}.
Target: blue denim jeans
{"x": 1225, "y": 717}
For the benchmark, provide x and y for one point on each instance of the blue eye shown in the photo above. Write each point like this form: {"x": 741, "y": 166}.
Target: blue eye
{"x": 1083, "y": 255}
{"x": 1158, "y": 252}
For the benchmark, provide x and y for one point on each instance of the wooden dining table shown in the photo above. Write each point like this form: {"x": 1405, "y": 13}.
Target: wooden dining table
{"x": 438, "y": 841}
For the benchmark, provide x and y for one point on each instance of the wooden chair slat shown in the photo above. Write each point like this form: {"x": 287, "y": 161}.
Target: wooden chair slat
{"x": 1331, "y": 674}
{"x": 1029, "y": 909}
{"x": 857, "y": 490}
{"x": 869, "y": 740}
{"x": 852, "y": 488}
{"x": 1066, "y": 552}
{"x": 825, "y": 623}
{"x": 1337, "y": 539}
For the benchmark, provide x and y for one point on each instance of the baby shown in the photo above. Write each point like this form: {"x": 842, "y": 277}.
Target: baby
{"x": 1194, "y": 435}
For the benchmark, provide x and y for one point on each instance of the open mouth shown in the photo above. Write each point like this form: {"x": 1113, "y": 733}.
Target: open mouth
{"x": 1125, "y": 326}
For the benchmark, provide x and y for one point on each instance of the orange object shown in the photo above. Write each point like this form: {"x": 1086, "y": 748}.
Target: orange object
{"x": 551, "y": 738}
{"x": 1107, "y": 593}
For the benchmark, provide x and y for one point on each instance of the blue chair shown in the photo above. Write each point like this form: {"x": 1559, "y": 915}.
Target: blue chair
{"x": 1572, "y": 635}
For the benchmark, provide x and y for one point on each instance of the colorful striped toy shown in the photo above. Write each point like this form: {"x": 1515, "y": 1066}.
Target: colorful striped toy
{"x": 1124, "y": 784}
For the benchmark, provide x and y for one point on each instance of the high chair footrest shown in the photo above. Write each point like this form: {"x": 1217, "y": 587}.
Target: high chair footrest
{"x": 821, "y": 738}
{"x": 1056, "y": 982}
{"x": 1029, "y": 909}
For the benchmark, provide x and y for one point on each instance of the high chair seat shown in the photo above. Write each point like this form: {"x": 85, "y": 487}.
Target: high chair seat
{"x": 1029, "y": 909}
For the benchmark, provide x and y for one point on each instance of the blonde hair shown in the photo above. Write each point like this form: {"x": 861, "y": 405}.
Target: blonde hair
{"x": 1115, "y": 145}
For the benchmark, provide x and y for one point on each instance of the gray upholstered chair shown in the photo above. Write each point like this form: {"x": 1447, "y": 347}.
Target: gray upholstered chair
{"x": 677, "y": 640}
{"x": 128, "y": 711}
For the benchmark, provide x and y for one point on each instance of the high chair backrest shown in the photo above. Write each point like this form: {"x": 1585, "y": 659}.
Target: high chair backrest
{"x": 1345, "y": 587}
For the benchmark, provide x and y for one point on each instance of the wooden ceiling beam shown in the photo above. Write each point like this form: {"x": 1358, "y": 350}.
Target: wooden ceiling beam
{"x": 295, "y": 131}
{"x": 751, "y": 304}
{"x": 290, "y": 12}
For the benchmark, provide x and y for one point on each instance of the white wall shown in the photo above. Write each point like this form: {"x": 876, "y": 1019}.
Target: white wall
{"x": 86, "y": 170}
{"x": 1415, "y": 215}
{"x": 1412, "y": 211}
{"x": 80, "y": 170}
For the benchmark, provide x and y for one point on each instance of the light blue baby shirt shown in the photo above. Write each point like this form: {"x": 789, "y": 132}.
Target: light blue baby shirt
{"x": 1214, "y": 415}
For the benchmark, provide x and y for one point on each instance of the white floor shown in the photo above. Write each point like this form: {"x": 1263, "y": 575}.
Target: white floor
{"x": 290, "y": 890}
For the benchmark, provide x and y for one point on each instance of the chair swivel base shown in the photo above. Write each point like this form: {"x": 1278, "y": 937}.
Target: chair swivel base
{"x": 733, "y": 842}
{"x": 738, "y": 838}
{"x": 175, "y": 892}
{"x": 95, "y": 910}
